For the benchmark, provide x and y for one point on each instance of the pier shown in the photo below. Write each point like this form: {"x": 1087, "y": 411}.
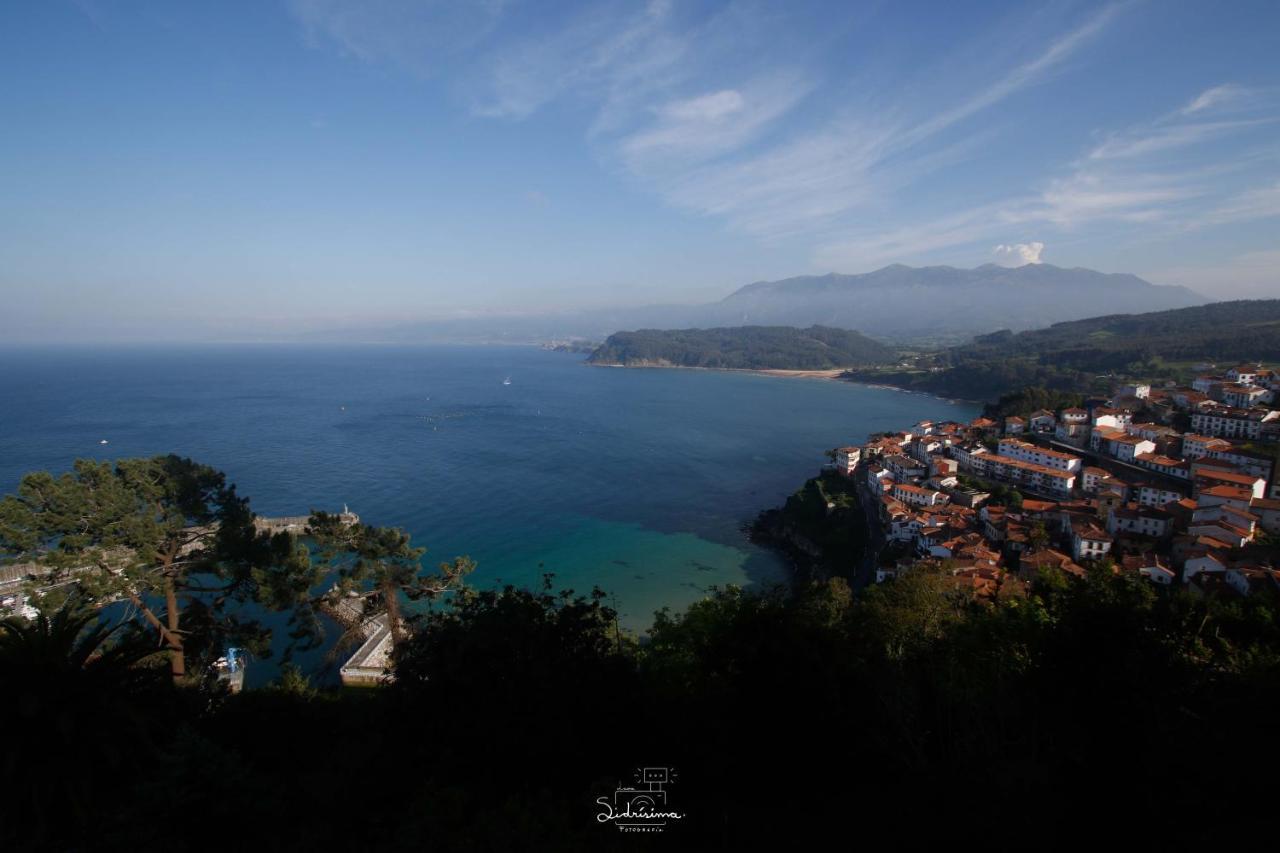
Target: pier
{"x": 297, "y": 524}
{"x": 368, "y": 666}
{"x": 371, "y": 663}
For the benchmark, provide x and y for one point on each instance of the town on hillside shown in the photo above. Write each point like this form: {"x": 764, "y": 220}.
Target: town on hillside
{"x": 1177, "y": 485}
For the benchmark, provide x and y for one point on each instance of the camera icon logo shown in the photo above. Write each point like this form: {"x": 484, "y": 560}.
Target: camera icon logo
{"x": 644, "y": 807}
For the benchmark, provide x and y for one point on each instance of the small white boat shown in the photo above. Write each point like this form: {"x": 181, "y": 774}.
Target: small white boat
{"x": 104, "y": 441}
{"x": 507, "y": 381}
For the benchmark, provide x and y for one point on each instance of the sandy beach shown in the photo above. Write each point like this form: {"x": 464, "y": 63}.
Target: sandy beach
{"x": 833, "y": 373}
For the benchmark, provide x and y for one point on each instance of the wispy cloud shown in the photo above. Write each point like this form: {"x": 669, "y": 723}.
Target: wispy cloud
{"x": 692, "y": 130}
{"x": 1019, "y": 78}
{"x": 416, "y": 35}
{"x": 1256, "y": 203}
{"x": 699, "y": 110}
{"x": 1150, "y": 176}
{"x": 1203, "y": 119}
{"x": 1227, "y": 93}
{"x": 807, "y": 180}
{"x": 609, "y": 58}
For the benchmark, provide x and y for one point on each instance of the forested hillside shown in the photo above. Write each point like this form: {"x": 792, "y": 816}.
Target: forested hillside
{"x": 991, "y": 720}
{"x": 1070, "y": 356}
{"x": 743, "y": 347}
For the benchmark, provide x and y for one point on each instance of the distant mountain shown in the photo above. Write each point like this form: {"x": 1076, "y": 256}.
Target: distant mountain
{"x": 911, "y": 302}
{"x": 743, "y": 347}
{"x": 1071, "y": 356}
{"x": 895, "y": 304}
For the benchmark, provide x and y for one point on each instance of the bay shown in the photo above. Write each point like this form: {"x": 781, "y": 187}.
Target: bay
{"x": 638, "y": 481}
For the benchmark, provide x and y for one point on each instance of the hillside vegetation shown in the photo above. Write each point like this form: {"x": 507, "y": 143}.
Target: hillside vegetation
{"x": 1050, "y": 714}
{"x": 1071, "y": 356}
{"x": 743, "y": 347}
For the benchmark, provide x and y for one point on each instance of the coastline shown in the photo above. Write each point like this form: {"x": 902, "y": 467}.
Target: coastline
{"x": 901, "y": 390}
{"x": 833, "y": 373}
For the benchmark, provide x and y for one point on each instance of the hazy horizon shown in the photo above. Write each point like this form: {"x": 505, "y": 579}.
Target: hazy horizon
{"x": 250, "y": 171}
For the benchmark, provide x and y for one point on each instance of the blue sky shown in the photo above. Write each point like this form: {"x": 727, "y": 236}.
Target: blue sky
{"x": 237, "y": 169}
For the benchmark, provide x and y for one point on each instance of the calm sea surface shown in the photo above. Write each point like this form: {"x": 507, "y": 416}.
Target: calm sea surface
{"x": 638, "y": 481}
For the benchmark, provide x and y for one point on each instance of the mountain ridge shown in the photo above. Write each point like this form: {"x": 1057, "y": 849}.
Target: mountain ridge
{"x": 896, "y": 303}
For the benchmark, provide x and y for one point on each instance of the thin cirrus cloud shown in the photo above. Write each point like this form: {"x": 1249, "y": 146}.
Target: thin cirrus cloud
{"x": 728, "y": 151}
{"x": 807, "y": 182}
{"x": 419, "y": 36}
{"x": 695, "y": 129}
{"x": 702, "y": 113}
{"x": 1146, "y": 175}
{"x": 599, "y": 55}
{"x": 1227, "y": 93}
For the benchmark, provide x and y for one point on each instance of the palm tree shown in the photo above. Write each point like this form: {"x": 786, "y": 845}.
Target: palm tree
{"x": 80, "y": 709}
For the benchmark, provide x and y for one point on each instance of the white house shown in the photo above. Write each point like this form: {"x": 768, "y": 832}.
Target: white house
{"x": 1244, "y": 374}
{"x": 1206, "y": 477}
{"x": 1150, "y": 566}
{"x": 904, "y": 467}
{"x": 1028, "y": 452}
{"x": 1256, "y": 464}
{"x": 917, "y": 496}
{"x": 876, "y": 475}
{"x": 1141, "y": 520}
{"x": 1222, "y": 531}
{"x": 1268, "y": 512}
{"x": 1092, "y": 479}
{"x": 1244, "y": 396}
{"x": 1206, "y": 384}
{"x": 1197, "y": 446}
{"x": 1127, "y": 448}
{"x": 923, "y": 447}
{"x": 1042, "y": 421}
{"x": 847, "y": 459}
{"x": 971, "y": 457}
{"x": 1211, "y": 562}
{"x": 1165, "y": 465}
{"x": 1089, "y": 542}
{"x": 1229, "y": 495}
{"x": 1249, "y": 579}
{"x": 1231, "y": 422}
{"x": 1040, "y": 478}
{"x": 1235, "y": 517}
{"x": 1157, "y": 496}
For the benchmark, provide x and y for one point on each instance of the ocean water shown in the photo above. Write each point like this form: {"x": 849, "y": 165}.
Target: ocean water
{"x": 637, "y": 481}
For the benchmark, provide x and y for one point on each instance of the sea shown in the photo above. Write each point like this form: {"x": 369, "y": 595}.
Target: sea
{"x": 638, "y": 481}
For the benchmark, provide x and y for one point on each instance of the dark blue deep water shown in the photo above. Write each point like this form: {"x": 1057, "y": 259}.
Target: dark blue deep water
{"x": 638, "y": 481}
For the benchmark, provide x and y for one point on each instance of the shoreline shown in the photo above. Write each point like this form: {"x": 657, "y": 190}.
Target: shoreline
{"x": 833, "y": 373}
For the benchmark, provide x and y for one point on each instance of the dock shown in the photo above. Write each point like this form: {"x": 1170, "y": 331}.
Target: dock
{"x": 297, "y": 524}
{"x": 369, "y": 665}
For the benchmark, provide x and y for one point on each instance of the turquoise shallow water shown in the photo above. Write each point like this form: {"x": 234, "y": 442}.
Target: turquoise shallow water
{"x": 638, "y": 481}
